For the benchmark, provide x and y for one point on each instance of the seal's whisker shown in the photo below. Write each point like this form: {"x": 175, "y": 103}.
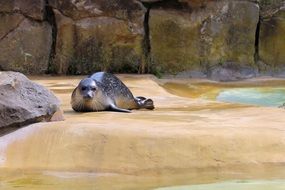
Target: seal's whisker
{"x": 97, "y": 105}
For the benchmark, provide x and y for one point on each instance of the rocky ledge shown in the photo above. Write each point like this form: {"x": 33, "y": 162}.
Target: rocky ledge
{"x": 180, "y": 135}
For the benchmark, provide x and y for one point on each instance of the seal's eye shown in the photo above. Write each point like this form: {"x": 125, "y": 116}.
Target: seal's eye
{"x": 83, "y": 88}
{"x": 93, "y": 88}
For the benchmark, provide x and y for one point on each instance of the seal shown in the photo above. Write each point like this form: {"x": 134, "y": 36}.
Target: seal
{"x": 103, "y": 91}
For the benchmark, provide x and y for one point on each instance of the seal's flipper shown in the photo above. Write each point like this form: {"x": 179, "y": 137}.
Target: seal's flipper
{"x": 115, "y": 108}
{"x": 140, "y": 98}
{"x": 144, "y": 103}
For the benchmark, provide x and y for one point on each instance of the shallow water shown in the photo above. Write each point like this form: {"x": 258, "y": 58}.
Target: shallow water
{"x": 234, "y": 185}
{"x": 259, "y": 93}
{"x": 186, "y": 140}
{"x": 270, "y": 178}
{"x": 267, "y": 96}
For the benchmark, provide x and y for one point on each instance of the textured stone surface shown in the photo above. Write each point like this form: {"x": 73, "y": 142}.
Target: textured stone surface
{"x": 23, "y": 102}
{"x": 106, "y": 44}
{"x": 269, "y": 7}
{"x": 232, "y": 71}
{"x": 101, "y": 35}
{"x": 121, "y": 9}
{"x": 65, "y": 43}
{"x": 26, "y": 48}
{"x": 8, "y": 23}
{"x": 34, "y": 9}
{"x": 203, "y": 37}
{"x": 272, "y": 42}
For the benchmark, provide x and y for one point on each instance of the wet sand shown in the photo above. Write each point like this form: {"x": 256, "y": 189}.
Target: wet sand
{"x": 185, "y": 140}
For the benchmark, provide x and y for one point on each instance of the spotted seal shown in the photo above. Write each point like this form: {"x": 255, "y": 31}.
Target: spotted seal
{"x": 103, "y": 91}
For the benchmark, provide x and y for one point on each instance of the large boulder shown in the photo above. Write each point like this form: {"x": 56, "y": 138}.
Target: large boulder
{"x": 272, "y": 41}
{"x": 23, "y": 102}
{"x": 26, "y": 47}
{"x": 200, "y": 36}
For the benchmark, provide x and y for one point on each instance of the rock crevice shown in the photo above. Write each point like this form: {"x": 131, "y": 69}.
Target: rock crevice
{"x": 50, "y": 18}
{"x": 145, "y": 66}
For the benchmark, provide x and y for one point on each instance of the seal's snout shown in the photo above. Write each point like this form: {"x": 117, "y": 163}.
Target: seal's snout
{"x": 88, "y": 96}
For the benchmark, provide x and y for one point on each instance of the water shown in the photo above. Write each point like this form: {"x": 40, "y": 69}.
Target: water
{"x": 234, "y": 185}
{"x": 259, "y": 93}
{"x": 271, "y": 97}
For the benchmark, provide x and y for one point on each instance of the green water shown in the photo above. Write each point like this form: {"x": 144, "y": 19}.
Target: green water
{"x": 271, "y": 97}
{"x": 234, "y": 185}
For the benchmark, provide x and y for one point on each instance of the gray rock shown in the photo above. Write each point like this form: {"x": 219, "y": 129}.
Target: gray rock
{"x": 231, "y": 71}
{"x": 26, "y": 48}
{"x": 121, "y": 9}
{"x": 280, "y": 73}
{"x": 272, "y": 41}
{"x": 191, "y": 74}
{"x": 202, "y": 35}
{"x": 89, "y": 43}
{"x": 34, "y": 9}
{"x": 24, "y": 102}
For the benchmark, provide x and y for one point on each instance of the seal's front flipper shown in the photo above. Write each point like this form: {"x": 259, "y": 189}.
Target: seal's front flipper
{"x": 144, "y": 103}
{"x": 115, "y": 108}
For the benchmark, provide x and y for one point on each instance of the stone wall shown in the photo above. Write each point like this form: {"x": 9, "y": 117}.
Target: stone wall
{"x": 216, "y": 39}
{"x": 272, "y": 39}
{"x": 25, "y": 36}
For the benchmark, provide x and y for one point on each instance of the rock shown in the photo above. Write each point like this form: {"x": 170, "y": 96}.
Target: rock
{"x": 191, "y": 74}
{"x": 269, "y": 7}
{"x": 121, "y": 9}
{"x": 26, "y": 48}
{"x": 105, "y": 44}
{"x": 34, "y": 9}
{"x": 23, "y": 102}
{"x": 65, "y": 43}
{"x": 9, "y": 22}
{"x": 90, "y": 40}
{"x": 282, "y": 106}
{"x": 198, "y": 37}
{"x": 272, "y": 42}
{"x": 230, "y": 71}
{"x": 25, "y": 36}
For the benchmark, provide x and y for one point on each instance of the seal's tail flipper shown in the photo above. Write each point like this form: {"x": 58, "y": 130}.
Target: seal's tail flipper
{"x": 115, "y": 108}
{"x": 145, "y": 103}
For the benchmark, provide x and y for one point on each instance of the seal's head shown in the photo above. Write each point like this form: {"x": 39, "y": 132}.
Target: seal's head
{"x": 84, "y": 95}
{"x": 87, "y": 88}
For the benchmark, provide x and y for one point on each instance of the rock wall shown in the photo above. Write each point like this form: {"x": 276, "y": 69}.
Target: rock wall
{"x": 25, "y": 36}
{"x": 98, "y": 35}
{"x": 216, "y": 39}
{"x": 203, "y": 38}
{"x": 272, "y": 39}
